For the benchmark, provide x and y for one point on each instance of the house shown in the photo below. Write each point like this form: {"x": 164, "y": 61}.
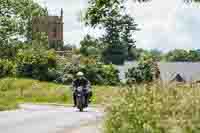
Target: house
{"x": 169, "y": 71}
{"x": 180, "y": 71}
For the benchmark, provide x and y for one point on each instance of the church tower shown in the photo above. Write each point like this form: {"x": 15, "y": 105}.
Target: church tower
{"x": 53, "y": 26}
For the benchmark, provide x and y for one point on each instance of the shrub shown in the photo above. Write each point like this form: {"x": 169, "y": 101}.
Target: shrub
{"x": 155, "y": 109}
{"x": 146, "y": 71}
{"x": 53, "y": 75}
{"x": 9, "y": 50}
{"x": 67, "y": 78}
{"x": 96, "y": 73}
{"x": 51, "y": 58}
{"x": 110, "y": 75}
{"x": 6, "y": 68}
{"x": 35, "y": 63}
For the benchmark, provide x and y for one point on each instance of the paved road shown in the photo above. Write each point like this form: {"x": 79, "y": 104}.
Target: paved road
{"x": 49, "y": 119}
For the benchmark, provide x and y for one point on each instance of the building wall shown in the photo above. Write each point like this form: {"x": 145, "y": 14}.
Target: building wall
{"x": 53, "y": 26}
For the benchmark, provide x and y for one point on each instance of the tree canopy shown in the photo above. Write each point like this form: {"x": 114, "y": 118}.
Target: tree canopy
{"x": 16, "y": 17}
{"x": 183, "y": 55}
{"x": 119, "y": 28}
{"x": 90, "y": 46}
{"x": 186, "y": 1}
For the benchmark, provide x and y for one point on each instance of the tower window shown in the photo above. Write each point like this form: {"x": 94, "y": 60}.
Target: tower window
{"x": 54, "y": 32}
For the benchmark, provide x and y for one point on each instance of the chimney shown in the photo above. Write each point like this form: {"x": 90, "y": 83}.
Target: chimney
{"x": 61, "y": 14}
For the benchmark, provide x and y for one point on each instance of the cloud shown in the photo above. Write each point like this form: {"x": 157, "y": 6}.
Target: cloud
{"x": 164, "y": 25}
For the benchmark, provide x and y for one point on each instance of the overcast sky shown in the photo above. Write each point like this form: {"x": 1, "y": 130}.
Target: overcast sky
{"x": 164, "y": 24}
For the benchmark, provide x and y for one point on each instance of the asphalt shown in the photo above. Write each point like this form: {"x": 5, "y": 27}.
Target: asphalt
{"x": 50, "y": 119}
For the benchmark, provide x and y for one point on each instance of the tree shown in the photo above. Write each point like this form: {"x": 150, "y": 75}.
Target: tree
{"x": 186, "y": 1}
{"x": 194, "y": 55}
{"x": 177, "y": 55}
{"x": 183, "y": 55}
{"x": 35, "y": 63}
{"x": 156, "y": 54}
{"x": 99, "y": 11}
{"x": 90, "y": 46}
{"x": 10, "y": 50}
{"x": 16, "y": 19}
{"x": 118, "y": 28}
{"x": 146, "y": 71}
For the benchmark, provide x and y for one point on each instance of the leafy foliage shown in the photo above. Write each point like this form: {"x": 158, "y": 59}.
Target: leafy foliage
{"x": 101, "y": 74}
{"x": 183, "y": 55}
{"x": 16, "y": 17}
{"x": 9, "y": 51}
{"x": 90, "y": 46}
{"x": 35, "y": 63}
{"x": 115, "y": 54}
{"x": 156, "y": 54}
{"x": 177, "y": 55}
{"x": 7, "y": 68}
{"x": 186, "y": 1}
{"x": 146, "y": 71}
{"x": 100, "y": 10}
{"x": 171, "y": 56}
{"x": 118, "y": 27}
{"x": 96, "y": 73}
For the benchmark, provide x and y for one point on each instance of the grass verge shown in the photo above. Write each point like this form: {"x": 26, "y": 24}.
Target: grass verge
{"x": 19, "y": 90}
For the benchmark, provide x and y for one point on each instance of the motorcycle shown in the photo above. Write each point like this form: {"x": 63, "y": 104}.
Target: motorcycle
{"x": 81, "y": 99}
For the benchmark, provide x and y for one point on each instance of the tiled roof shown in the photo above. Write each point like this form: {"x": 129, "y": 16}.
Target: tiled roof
{"x": 189, "y": 71}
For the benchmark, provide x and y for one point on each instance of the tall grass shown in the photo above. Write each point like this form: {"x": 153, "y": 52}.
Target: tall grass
{"x": 155, "y": 109}
{"x": 7, "y": 101}
{"x": 13, "y": 91}
{"x": 16, "y": 90}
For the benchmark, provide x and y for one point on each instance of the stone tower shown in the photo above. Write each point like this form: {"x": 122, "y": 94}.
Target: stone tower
{"x": 53, "y": 26}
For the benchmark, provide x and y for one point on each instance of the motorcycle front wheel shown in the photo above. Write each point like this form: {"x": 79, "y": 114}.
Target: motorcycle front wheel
{"x": 79, "y": 104}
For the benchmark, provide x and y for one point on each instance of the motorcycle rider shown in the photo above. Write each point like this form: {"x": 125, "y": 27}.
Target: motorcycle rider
{"x": 81, "y": 81}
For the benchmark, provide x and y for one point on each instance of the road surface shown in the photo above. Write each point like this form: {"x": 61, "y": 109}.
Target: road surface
{"x": 50, "y": 119}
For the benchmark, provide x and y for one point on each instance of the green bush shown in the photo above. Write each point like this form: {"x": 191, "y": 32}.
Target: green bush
{"x": 109, "y": 74}
{"x": 53, "y": 75}
{"x": 7, "y": 68}
{"x": 9, "y": 50}
{"x": 146, "y": 71}
{"x": 155, "y": 109}
{"x": 96, "y": 73}
{"x": 35, "y": 64}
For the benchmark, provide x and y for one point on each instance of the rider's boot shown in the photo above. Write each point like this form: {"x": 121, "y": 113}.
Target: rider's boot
{"x": 74, "y": 99}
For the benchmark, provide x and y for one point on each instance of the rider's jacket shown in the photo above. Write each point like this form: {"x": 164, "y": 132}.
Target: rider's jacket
{"x": 83, "y": 82}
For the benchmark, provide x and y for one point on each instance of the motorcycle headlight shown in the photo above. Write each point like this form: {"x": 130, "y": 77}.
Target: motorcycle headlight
{"x": 79, "y": 89}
